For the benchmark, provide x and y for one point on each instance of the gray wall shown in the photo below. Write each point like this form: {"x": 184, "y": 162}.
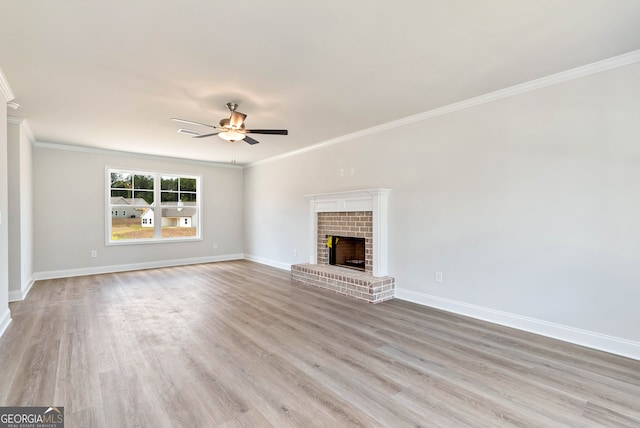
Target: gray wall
{"x": 69, "y": 211}
{"x": 529, "y": 205}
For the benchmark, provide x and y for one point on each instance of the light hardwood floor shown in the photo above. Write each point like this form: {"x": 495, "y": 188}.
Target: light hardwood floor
{"x": 238, "y": 344}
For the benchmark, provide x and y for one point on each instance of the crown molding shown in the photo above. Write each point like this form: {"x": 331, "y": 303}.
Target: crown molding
{"x": 5, "y": 89}
{"x": 15, "y": 120}
{"x": 84, "y": 149}
{"x": 533, "y": 85}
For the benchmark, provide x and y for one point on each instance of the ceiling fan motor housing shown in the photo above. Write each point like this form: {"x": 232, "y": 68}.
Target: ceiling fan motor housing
{"x": 226, "y": 123}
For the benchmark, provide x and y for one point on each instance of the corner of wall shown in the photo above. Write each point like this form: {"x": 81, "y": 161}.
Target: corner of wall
{"x": 6, "y": 95}
{"x": 19, "y": 295}
{"x": 5, "y": 320}
{"x": 268, "y": 262}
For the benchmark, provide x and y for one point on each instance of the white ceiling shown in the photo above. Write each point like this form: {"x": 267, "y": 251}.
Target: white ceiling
{"x": 111, "y": 74}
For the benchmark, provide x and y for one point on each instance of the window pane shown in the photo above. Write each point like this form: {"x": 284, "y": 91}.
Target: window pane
{"x": 169, "y": 197}
{"x": 188, "y": 197}
{"x": 126, "y": 211}
{"x": 179, "y": 222}
{"x": 169, "y": 183}
{"x": 121, "y": 180}
{"x": 127, "y": 228}
{"x": 142, "y": 198}
{"x": 117, "y": 194}
{"x": 144, "y": 182}
{"x": 188, "y": 184}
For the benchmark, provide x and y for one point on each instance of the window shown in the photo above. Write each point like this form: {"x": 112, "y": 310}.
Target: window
{"x": 161, "y": 207}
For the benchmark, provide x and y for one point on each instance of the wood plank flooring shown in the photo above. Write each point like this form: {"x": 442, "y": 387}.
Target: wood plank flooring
{"x": 238, "y": 344}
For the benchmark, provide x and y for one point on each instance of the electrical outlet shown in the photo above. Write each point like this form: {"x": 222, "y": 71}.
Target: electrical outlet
{"x": 94, "y": 253}
{"x": 438, "y": 277}
{"x": 341, "y": 172}
{"x": 295, "y": 252}
{"x": 215, "y": 245}
{"x": 352, "y": 170}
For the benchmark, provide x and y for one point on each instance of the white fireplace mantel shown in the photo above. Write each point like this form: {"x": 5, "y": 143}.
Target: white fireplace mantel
{"x": 374, "y": 200}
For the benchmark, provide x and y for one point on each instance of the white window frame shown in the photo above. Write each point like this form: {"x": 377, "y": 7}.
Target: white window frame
{"x": 157, "y": 221}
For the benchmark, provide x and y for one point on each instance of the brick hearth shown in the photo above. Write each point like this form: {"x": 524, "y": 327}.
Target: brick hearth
{"x": 360, "y": 285}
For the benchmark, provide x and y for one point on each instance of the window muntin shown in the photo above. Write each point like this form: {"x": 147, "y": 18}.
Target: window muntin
{"x": 135, "y": 215}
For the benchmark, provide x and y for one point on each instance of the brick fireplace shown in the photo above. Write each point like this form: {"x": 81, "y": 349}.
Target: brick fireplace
{"x": 355, "y": 224}
{"x": 355, "y": 214}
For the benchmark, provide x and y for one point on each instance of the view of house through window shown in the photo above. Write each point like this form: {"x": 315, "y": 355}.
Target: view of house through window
{"x": 152, "y": 206}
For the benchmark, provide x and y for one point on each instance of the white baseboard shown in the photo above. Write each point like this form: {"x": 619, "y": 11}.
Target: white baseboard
{"x": 5, "y": 320}
{"x": 15, "y": 296}
{"x": 18, "y": 295}
{"x": 602, "y": 342}
{"x": 268, "y": 262}
{"x": 66, "y": 273}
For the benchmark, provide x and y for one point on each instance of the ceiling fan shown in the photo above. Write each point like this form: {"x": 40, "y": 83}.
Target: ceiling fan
{"x": 230, "y": 129}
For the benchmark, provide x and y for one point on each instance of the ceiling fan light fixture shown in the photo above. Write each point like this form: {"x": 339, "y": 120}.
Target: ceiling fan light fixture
{"x": 231, "y": 135}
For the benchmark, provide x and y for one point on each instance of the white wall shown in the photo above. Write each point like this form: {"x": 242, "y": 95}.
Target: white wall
{"x": 69, "y": 213}
{"x": 5, "y": 315}
{"x": 20, "y": 209}
{"x": 26, "y": 209}
{"x": 529, "y": 206}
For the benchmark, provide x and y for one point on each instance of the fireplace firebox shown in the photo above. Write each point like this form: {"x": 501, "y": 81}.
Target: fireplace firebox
{"x": 346, "y": 251}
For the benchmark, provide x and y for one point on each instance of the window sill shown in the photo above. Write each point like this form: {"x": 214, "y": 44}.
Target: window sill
{"x": 151, "y": 241}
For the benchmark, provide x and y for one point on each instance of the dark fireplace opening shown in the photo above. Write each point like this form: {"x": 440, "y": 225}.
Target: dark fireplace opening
{"x": 346, "y": 251}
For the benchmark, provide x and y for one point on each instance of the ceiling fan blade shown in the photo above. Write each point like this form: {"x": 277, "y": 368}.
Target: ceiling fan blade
{"x": 250, "y": 140}
{"x": 268, "y": 131}
{"x": 192, "y": 122}
{"x": 237, "y": 119}
{"x": 188, "y": 131}
{"x": 206, "y": 135}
